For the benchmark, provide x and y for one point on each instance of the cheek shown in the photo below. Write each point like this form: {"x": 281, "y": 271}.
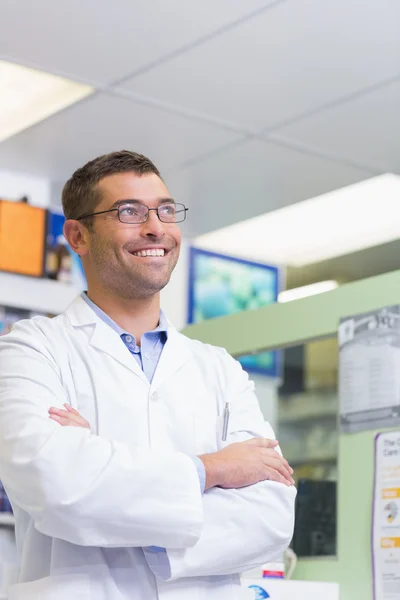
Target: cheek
{"x": 177, "y": 235}
{"x": 109, "y": 239}
{"x": 101, "y": 248}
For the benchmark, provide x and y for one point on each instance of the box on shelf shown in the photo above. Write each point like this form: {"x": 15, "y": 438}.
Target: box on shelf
{"x": 22, "y": 238}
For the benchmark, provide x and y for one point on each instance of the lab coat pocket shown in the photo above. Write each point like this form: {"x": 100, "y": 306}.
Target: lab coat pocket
{"x": 60, "y": 587}
{"x": 207, "y": 433}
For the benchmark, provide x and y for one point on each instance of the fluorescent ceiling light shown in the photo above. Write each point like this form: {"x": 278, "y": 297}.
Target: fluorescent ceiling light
{"x": 346, "y": 220}
{"x": 29, "y": 96}
{"x": 307, "y": 290}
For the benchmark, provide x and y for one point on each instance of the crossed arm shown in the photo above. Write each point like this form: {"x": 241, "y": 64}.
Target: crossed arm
{"x": 238, "y": 465}
{"x": 253, "y": 518}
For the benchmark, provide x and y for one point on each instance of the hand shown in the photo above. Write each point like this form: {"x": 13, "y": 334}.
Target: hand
{"x": 245, "y": 463}
{"x": 70, "y": 417}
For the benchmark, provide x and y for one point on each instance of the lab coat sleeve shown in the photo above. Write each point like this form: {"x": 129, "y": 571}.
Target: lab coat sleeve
{"x": 243, "y": 528}
{"x": 76, "y": 486}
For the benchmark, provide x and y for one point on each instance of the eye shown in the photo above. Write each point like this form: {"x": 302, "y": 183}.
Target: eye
{"x": 168, "y": 210}
{"x": 129, "y": 211}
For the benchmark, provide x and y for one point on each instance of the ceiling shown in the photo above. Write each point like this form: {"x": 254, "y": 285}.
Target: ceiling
{"x": 244, "y": 106}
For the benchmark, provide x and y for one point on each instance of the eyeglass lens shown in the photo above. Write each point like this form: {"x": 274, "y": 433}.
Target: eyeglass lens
{"x": 138, "y": 213}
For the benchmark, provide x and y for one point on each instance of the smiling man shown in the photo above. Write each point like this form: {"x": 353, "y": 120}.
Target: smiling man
{"x": 155, "y": 477}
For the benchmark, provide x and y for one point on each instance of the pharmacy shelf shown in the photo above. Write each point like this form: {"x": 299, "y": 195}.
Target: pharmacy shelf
{"x": 7, "y": 520}
{"x": 312, "y": 416}
{"x": 296, "y": 461}
{"x": 311, "y": 405}
{"x": 35, "y": 294}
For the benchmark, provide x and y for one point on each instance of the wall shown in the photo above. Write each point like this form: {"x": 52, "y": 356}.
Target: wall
{"x": 14, "y": 185}
{"x": 174, "y": 296}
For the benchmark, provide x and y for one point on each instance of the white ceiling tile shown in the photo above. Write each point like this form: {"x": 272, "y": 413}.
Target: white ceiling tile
{"x": 291, "y": 59}
{"x": 366, "y": 129}
{"x": 103, "y": 41}
{"x": 250, "y": 178}
{"x": 57, "y": 146}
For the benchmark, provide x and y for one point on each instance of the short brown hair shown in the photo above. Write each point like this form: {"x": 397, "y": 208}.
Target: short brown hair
{"x": 80, "y": 195}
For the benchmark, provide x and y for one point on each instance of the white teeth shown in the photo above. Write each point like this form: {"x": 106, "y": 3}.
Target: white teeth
{"x": 152, "y": 252}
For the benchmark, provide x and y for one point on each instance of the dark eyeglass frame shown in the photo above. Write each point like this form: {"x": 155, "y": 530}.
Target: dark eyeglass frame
{"x": 130, "y": 203}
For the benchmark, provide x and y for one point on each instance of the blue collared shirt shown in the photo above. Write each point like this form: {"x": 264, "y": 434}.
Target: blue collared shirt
{"x": 146, "y": 355}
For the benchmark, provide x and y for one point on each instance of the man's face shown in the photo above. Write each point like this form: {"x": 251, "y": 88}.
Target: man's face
{"x": 113, "y": 246}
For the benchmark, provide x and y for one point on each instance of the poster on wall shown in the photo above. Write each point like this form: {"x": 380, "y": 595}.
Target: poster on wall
{"x": 386, "y": 517}
{"x": 222, "y": 285}
{"x": 369, "y": 370}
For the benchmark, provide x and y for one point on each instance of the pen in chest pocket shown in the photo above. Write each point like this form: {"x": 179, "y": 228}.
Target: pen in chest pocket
{"x": 226, "y": 422}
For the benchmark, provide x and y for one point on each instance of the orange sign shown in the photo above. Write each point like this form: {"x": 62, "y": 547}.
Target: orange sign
{"x": 390, "y": 542}
{"x": 390, "y": 493}
{"x": 22, "y": 238}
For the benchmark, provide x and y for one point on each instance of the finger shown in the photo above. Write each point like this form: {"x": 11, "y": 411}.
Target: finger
{"x": 67, "y": 422}
{"x": 285, "y": 462}
{"x": 273, "y": 454}
{"x": 70, "y": 418}
{"x": 62, "y": 413}
{"x": 274, "y": 475}
{"x": 65, "y": 413}
{"x": 71, "y": 410}
{"x": 76, "y": 416}
{"x": 281, "y": 466}
{"x": 56, "y": 410}
{"x": 59, "y": 419}
{"x": 278, "y": 465}
{"x": 288, "y": 467}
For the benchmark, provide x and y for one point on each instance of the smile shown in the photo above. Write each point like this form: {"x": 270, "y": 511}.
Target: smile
{"x": 150, "y": 252}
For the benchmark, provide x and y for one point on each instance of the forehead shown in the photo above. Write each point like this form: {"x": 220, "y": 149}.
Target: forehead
{"x": 125, "y": 186}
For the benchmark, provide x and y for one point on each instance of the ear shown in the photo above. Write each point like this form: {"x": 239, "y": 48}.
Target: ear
{"x": 77, "y": 236}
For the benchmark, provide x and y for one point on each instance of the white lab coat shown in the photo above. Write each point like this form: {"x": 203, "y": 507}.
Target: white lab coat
{"x": 89, "y": 504}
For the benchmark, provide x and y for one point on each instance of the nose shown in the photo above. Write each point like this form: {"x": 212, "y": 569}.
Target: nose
{"x": 153, "y": 227}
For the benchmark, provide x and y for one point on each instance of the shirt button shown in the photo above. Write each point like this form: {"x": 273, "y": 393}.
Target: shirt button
{"x": 154, "y": 397}
{"x": 128, "y": 338}
{"x": 147, "y": 355}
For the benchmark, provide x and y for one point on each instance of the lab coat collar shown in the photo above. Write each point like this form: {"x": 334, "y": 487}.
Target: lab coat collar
{"x": 102, "y": 336}
{"x": 175, "y": 352}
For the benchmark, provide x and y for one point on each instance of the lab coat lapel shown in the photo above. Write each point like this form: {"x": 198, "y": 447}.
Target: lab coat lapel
{"x": 101, "y": 336}
{"x": 107, "y": 340}
{"x": 175, "y": 354}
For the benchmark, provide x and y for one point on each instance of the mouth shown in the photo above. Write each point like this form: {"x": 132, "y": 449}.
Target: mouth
{"x": 150, "y": 253}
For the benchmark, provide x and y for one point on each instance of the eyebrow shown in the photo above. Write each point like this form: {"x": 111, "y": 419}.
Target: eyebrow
{"x": 135, "y": 201}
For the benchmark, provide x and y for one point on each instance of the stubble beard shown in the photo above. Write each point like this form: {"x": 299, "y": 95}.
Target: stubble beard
{"x": 124, "y": 281}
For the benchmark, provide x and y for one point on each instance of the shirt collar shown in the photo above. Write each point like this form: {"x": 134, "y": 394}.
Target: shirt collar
{"x": 162, "y": 325}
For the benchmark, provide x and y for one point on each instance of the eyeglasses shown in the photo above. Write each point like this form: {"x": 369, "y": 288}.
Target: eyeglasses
{"x": 135, "y": 212}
